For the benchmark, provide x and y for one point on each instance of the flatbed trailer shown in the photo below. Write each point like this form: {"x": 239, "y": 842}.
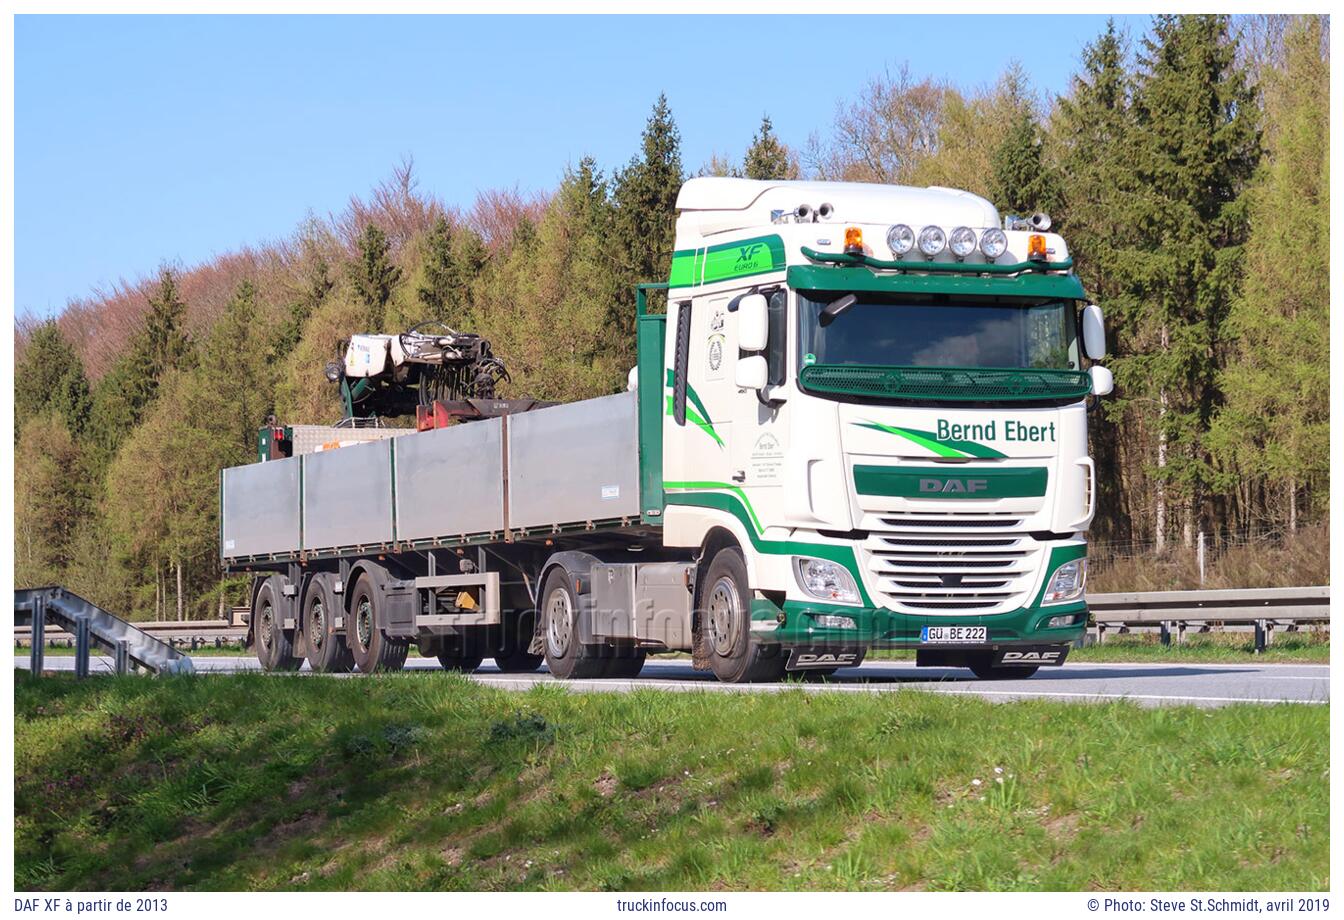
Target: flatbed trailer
{"x": 764, "y": 495}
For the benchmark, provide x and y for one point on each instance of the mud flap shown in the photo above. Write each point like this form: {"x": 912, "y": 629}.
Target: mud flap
{"x": 804, "y": 659}
{"x": 1031, "y": 656}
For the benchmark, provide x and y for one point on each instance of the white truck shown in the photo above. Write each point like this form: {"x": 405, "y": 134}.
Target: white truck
{"x": 861, "y": 423}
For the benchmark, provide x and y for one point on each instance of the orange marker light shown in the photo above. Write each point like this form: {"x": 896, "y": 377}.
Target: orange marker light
{"x": 853, "y": 239}
{"x": 1036, "y": 247}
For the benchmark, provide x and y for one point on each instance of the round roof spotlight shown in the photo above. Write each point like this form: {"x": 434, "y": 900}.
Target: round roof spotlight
{"x": 825, "y": 210}
{"x": 962, "y": 242}
{"x": 993, "y": 243}
{"x": 900, "y": 239}
{"x": 932, "y": 241}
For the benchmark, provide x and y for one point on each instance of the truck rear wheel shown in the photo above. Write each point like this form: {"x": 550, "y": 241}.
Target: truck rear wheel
{"x": 566, "y": 657}
{"x": 626, "y": 663}
{"x": 275, "y": 646}
{"x": 513, "y": 656}
{"x": 725, "y": 621}
{"x": 372, "y": 648}
{"x": 327, "y": 651}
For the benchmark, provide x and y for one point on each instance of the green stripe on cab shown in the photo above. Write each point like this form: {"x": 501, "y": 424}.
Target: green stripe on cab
{"x": 945, "y": 482}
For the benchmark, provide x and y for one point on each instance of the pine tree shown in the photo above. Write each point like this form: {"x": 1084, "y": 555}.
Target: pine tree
{"x": 1090, "y": 134}
{"x": 1196, "y": 145}
{"x": 50, "y": 500}
{"x": 1022, "y": 182}
{"x": 374, "y": 275}
{"x": 767, "y": 158}
{"x": 645, "y": 197}
{"x": 123, "y": 395}
{"x": 1274, "y": 431}
{"x": 440, "y": 291}
{"x": 50, "y": 377}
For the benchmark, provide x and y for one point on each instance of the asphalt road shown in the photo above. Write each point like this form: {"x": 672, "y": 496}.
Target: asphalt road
{"x": 1145, "y": 684}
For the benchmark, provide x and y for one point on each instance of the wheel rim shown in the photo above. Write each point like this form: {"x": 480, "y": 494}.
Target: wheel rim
{"x": 318, "y": 633}
{"x": 559, "y": 622}
{"x": 267, "y": 627}
{"x": 724, "y": 604}
{"x": 364, "y": 622}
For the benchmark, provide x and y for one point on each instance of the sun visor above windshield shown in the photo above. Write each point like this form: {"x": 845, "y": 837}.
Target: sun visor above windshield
{"x": 1032, "y": 284}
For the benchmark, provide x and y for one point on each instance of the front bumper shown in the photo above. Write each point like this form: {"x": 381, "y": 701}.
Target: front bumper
{"x": 878, "y": 627}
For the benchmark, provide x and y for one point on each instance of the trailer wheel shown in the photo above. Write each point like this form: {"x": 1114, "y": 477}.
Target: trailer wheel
{"x": 725, "y": 619}
{"x": 566, "y": 657}
{"x": 372, "y": 648}
{"x": 513, "y": 657}
{"x": 275, "y": 647}
{"x": 463, "y": 664}
{"x": 327, "y": 649}
{"x": 979, "y": 662}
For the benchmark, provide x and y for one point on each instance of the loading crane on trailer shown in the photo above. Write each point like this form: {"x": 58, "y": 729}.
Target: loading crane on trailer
{"x": 862, "y": 423}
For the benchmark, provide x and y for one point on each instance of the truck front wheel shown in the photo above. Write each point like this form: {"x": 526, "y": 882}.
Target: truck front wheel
{"x": 372, "y": 648}
{"x": 725, "y": 624}
{"x": 566, "y": 657}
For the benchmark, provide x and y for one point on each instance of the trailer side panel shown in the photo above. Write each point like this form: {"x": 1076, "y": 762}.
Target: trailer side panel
{"x": 347, "y": 496}
{"x": 575, "y": 462}
{"x": 450, "y": 482}
{"x": 261, "y": 508}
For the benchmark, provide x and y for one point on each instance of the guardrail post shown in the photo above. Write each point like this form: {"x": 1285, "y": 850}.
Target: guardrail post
{"x": 122, "y": 657}
{"x": 81, "y": 647}
{"x": 1166, "y": 632}
{"x": 1260, "y": 642}
{"x": 38, "y": 637}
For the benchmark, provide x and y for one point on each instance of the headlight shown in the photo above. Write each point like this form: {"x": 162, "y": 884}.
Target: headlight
{"x": 932, "y": 240}
{"x": 962, "y": 242}
{"x": 901, "y": 239}
{"x": 825, "y": 580}
{"x": 994, "y": 243}
{"x": 1067, "y": 583}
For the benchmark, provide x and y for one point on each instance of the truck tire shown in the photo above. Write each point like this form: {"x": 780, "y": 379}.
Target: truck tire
{"x": 327, "y": 651}
{"x": 463, "y": 664}
{"x": 626, "y": 663}
{"x": 725, "y": 619}
{"x": 372, "y": 648}
{"x": 979, "y": 662}
{"x": 275, "y": 646}
{"x": 513, "y": 656}
{"x": 566, "y": 657}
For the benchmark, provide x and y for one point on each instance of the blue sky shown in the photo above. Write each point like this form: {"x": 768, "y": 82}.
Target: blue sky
{"x": 140, "y": 140}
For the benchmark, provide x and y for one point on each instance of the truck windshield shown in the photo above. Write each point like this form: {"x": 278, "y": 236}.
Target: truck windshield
{"x": 903, "y": 330}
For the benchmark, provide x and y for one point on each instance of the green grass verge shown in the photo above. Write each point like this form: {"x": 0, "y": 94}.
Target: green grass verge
{"x": 430, "y": 781}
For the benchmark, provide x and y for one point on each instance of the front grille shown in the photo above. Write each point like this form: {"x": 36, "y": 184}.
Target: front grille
{"x": 939, "y": 562}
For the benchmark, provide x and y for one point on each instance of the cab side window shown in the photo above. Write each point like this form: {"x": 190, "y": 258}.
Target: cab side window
{"x": 776, "y": 355}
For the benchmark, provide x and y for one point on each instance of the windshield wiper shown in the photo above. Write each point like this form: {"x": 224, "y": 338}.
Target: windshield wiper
{"x": 835, "y": 308}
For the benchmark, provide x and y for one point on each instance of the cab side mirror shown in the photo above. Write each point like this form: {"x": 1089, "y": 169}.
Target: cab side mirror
{"x": 1094, "y": 332}
{"x": 1103, "y": 381}
{"x": 753, "y": 323}
{"x": 752, "y": 372}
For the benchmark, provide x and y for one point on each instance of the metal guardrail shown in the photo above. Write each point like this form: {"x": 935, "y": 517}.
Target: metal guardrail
{"x": 92, "y": 625}
{"x": 1265, "y": 609}
{"x": 191, "y": 634}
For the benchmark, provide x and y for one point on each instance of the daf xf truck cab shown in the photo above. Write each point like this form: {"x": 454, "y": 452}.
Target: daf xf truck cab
{"x": 861, "y": 423}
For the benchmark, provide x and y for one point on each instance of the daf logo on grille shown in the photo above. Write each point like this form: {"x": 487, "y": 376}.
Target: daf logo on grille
{"x": 946, "y": 486}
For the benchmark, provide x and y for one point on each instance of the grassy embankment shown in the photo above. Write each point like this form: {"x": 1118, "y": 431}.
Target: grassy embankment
{"x": 429, "y": 781}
